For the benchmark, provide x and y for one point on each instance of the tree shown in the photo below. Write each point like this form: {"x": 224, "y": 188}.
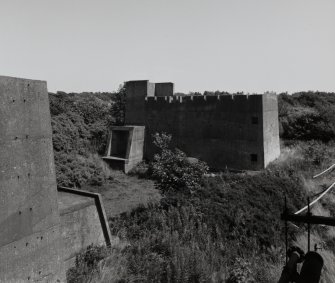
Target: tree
{"x": 119, "y": 106}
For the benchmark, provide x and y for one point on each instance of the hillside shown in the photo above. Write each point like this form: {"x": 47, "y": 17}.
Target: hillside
{"x": 228, "y": 229}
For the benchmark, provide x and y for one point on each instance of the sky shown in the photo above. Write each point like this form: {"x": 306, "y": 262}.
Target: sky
{"x": 230, "y": 45}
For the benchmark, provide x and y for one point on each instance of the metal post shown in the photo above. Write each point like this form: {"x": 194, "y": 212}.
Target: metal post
{"x": 308, "y": 227}
{"x": 286, "y": 232}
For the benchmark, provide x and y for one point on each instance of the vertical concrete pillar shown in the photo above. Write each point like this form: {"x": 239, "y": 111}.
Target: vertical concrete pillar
{"x": 136, "y": 92}
{"x": 271, "y": 141}
{"x": 29, "y": 217}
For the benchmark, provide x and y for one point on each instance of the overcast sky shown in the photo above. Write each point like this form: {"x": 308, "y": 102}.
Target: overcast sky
{"x": 232, "y": 45}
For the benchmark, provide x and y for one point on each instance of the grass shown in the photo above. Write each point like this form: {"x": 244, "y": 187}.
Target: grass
{"x": 122, "y": 193}
{"x": 229, "y": 231}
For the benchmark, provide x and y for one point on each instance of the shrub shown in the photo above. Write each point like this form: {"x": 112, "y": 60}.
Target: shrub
{"x": 119, "y": 106}
{"x": 80, "y": 127}
{"x": 172, "y": 170}
{"x": 307, "y": 116}
{"x": 73, "y": 170}
{"x": 86, "y": 264}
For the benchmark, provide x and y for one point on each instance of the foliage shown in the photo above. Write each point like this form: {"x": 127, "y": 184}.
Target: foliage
{"x": 169, "y": 245}
{"x": 86, "y": 264}
{"x": 307, "y": 116}
{"x": 229, "y": 230}
{"x": 74, "y": 170}
{"x": 193, "y": 237}
{"x": 80, "y": 125}
{"x": 119, "y": 106}
{"x": 172, "y": 169}
{"x": 220, "y": 229}
{"x": 241, "y": 272}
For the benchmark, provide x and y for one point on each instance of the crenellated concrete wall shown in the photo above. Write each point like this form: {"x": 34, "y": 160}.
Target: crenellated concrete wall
{"x": 234, "y": 131}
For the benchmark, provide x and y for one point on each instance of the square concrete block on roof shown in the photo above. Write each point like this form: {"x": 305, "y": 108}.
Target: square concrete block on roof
{"x": 164, "y": 89}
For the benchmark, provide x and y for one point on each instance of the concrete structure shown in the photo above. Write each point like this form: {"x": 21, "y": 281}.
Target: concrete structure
{"x": 125, "y": 147}
{"x": 83, "y": 222}
{"x": 32, "y": 236}
{"x": 234, "y": 131}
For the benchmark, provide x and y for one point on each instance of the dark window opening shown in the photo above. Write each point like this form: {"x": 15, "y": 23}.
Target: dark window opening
{"x": 254, "y": 120}
{"x": 119, "y": 143}
{"x": 253, "y": 157}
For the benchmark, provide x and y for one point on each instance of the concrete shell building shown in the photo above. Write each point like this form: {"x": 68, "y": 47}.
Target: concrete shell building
{"x": 226, "y": 131}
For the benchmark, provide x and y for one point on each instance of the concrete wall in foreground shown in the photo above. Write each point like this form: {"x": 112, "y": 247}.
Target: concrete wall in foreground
{"x": 29, "y": 218}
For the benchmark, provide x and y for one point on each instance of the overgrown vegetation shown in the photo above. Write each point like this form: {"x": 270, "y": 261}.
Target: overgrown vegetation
{"x": 172, "y": 170}
{"x": 205, "y": 229}
{"x": 228, "y": 230}
{"x": 307, "y": 116}
{"x": 80, "y": 125}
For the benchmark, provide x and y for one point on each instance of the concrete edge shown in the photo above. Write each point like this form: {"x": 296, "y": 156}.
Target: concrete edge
{"x": 31, "y": 80}
{"x": 100, "y": 209}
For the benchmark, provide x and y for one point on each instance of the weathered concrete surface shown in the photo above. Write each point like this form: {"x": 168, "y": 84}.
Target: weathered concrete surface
{"x": 164, "y": 89}
{"x": 36, "y": 243}
{"x": 80, "y": 225}
{"x": 136, "y": 93}
{"x": 270, "y": 128}
{"x": 29, "y": 218}
{"x": 125, "y": 147}
{"x": 234, "y": 131}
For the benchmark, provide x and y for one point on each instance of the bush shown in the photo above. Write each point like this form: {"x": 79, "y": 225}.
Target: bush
{"x": 80, "y": 125}
{"x": 73, "y": 170}
{"x": 86, "y": 264}
{"x": 307, "y": 116}
{"x": 172, "y": 170}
